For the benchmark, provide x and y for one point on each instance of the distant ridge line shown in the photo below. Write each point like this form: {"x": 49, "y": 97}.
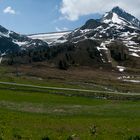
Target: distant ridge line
{"x": 49, "y": 33}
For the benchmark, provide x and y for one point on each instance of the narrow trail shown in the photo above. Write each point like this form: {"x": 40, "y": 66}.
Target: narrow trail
{"x": 65, "y": 89}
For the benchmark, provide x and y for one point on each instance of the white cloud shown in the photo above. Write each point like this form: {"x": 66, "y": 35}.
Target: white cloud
{"x": 61, "y": 29}
{"x": 73, "y": 9}
{"x": 9, "y": 10}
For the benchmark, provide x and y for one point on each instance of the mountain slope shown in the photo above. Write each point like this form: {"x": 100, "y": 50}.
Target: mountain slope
{"x": 117, "y": 35}
{"x": 13, "y": 44}
{"x": 21, "y": 41}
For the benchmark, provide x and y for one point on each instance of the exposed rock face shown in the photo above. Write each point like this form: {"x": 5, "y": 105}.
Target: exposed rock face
{"x": 118, "y": 51}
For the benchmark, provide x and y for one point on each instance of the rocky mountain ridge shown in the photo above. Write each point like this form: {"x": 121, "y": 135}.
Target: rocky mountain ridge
{"x": 115, "y": 39}
{"x": 110, "y": 41}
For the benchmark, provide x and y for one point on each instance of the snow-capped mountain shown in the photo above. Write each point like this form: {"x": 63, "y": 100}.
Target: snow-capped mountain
{"x": 117, "y": 36}
{"x": 10, "y": 41}
{"x": 112, "y": 40}
{"x": 17, "y": 48}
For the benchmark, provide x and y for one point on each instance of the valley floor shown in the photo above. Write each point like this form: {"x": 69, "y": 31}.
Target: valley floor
{"x": 31, "y": 113}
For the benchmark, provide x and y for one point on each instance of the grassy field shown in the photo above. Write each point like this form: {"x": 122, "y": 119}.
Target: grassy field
{"x": 36, "y": 114}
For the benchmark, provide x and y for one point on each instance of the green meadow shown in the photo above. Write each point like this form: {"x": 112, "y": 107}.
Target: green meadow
{"x": 41, "y": 116}
{"x": 28, "y": 113}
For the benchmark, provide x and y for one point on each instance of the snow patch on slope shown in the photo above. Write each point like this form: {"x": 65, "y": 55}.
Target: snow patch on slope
{"x": 115, "y": 19}
{"x": 121, "y": 68}
{"x": 20, "y": 43}
{"x": 104, "y": 49}
{"x": 134, "y": 54}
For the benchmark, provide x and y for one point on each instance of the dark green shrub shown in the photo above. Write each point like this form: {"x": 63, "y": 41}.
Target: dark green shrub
{"x": 134, "y": 138}
{"x": 17, "y": 137}
{"x": 72, "y": 137}
{"x": 63, "y": 65}
{"x": 45, "y": 138}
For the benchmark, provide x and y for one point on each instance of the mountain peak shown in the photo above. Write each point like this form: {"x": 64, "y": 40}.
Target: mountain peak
{"x": 120, "y": 16}
{"x": 117, "y": 9}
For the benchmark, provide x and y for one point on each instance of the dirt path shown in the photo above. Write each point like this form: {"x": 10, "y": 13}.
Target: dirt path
{"x": 66, "y": 89}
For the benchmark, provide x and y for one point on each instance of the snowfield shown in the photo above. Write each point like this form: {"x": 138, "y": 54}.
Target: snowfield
{"x": 49, "y": 37}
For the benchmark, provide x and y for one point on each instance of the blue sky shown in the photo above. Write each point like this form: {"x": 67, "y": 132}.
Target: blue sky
{"x": 38, "y": 16}
{"x": 35, "y": 16}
